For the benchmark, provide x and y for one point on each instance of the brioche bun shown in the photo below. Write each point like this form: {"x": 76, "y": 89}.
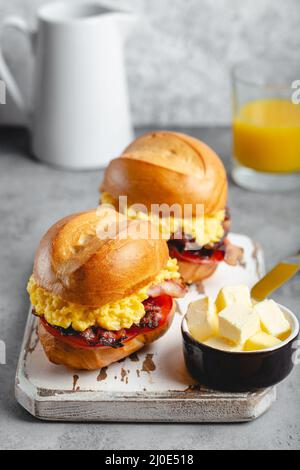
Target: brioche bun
{"x": 171, "y": 168}
{"x": 60, "y": 352}
{"x": 75, "y": 264}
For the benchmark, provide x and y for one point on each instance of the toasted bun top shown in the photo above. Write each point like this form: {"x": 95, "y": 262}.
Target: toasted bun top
{"x": 90, "y": 259}
{"x": 170, "y": 168}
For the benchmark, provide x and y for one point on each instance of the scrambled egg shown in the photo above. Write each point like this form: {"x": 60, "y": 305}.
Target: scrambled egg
{"x": 112, "y": 316}
{"x": 207, "y": 229}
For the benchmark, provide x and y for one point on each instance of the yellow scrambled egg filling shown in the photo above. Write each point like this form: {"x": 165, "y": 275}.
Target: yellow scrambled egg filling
{"x": 207, "y": 229}
{"x": 112, "y": 316}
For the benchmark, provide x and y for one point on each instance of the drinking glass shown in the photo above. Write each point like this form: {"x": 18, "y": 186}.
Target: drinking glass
{"x": 266, "y": 125}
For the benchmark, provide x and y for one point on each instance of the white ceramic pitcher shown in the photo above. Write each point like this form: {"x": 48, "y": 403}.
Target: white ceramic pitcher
{"x": 80, "y": 116}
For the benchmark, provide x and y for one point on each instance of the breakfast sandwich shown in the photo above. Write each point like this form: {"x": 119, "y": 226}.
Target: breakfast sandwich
{"x": 172, "y": 170}
{"x": 101, "y": 288}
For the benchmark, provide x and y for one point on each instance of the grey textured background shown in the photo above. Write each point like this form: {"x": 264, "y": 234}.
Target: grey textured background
{"x": 179, "y": 56}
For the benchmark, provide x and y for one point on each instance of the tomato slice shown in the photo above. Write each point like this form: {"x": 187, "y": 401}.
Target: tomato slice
{"x": 165, "y": 302}
{"x": 194, "y": 257}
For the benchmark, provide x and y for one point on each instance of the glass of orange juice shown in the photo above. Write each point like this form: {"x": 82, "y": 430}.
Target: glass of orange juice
{"x": 266, "y": 126}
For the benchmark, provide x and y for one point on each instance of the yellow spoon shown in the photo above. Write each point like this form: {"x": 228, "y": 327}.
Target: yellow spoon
{"x": 278, "y": 276}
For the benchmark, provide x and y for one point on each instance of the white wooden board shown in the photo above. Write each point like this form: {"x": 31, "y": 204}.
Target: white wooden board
{"x": 151, "y": 385}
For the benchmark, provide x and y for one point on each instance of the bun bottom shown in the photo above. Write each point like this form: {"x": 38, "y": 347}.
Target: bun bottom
{"x": 59, "y": 352}
{"x": 192, "y": 272}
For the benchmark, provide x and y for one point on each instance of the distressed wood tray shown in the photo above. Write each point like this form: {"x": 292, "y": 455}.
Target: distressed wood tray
{"x": 151, "y": 385}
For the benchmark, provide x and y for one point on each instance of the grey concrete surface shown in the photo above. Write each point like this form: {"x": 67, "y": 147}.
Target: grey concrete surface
{"x": 32, "y": 197}
{"x": 180, "y": 53}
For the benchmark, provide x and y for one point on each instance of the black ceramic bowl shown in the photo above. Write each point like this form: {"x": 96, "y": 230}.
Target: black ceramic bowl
{"x": 240, "y": 371}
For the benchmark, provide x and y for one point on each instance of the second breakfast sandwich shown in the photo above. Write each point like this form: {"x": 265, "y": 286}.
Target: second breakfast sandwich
{"x": 101, "y": 288}
{"x": 170, "y": 168}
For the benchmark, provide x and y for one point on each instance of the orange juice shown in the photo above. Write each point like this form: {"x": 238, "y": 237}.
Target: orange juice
{"x": 266, "y": 135}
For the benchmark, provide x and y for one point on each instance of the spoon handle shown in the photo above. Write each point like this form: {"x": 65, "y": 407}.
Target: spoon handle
{"x": 278, "y": 276}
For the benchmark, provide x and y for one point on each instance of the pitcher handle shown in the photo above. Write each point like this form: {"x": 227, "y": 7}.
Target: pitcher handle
{"x": 20, "y": 24}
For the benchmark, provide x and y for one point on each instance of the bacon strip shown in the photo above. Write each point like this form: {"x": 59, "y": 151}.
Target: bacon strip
{"x": 234, "y": 254}
{"x": 174, "y": 288}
